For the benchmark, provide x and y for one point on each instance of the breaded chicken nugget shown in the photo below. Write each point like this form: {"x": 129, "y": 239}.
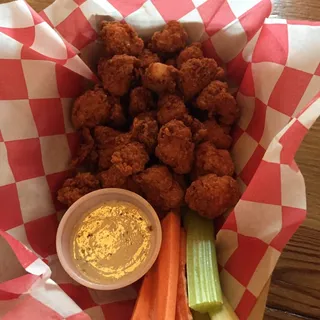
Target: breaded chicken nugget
{"x": 160, "y": 188}
{"x": 217, "y": 135}
{"x": 117, "y": 73}
{"x": 221, "y": 76}
{"x": 123, "y": 139}
{"x": 130, "y": 159}
{"x": 120, "y": 38}
{"x": 199, "y": 131}
{"x": 172, "y": 107}
{"x": 147, "y": 57}
{"x": 175, "y": 147}
{"x": 117, "y": 118}
{"x": 74, "y": 188}
{"x": 195, "y": 75}
{"x": 85, "y": 148}
{"x": 145, "y": 130}
{"x": 91, "y": 109}
{"x": 160, "y": 78}
{"x": 211, "y": 195}
{"x": 209, "y": 159}
{"x": 141, "y": 100}
{"x": 216, "y": 99}
{"x": 105, "y": 141}
{"x": 190, "y": 52}
{"x": 112, "y": 178}
{"x": 172, "y": 38}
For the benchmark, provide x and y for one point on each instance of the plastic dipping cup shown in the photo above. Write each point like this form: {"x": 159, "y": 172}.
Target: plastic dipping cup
{"x": 87, "y": 204}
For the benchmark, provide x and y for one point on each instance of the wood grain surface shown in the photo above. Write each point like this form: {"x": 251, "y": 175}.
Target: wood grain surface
{"x": 295, "y": 287}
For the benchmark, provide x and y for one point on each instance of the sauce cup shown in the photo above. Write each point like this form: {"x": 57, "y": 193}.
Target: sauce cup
{"x": 87, "y": 204}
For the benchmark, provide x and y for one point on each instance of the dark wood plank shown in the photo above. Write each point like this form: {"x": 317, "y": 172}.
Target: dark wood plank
{"x": 274, "y": 314}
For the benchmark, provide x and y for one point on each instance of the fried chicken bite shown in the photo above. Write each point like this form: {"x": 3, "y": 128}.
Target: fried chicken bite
{"x": 112, "y": 178}
{"x": 141, "y": 100}
{"x": 130, "y": 158}
{"x": 190, "y": 52}
{"x": 160, "y": 188}
{"x": 172, "y": 38}
{"x": 117, "y": 118}
{"x": 199, "y": 131}
{"x": 172, "y": 107}
{"x": 120, "y": 38}
{"x": 104, "y": 136}
{"x": 105, "y": 141}
{"x": 91, "y": 108}
{"x": 123, "y": 139}
{"x": 196, "y": 74}
{"x": 117, "y": 73}
{"x": 211, "y": 195}
{"x": 145, "y": 130}
{"x": 217, "y": 134}
{"x": 147, "y": 57}
{"x": 175, "y": 147}
{"x": 209, "y": 159}
{"x": 221, "y": 76}
{"x": 74, "y": 188}
{"x": 216, "y": 99}
{"x": 160, "y": 78}
{"x": 85, "y": 149}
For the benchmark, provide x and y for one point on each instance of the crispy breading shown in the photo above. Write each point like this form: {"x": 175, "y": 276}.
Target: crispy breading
{"x": 145, "y": 130}
{"x": 117, "y": 73}
{"x": 141, "y": 100}
{"x": 209, "y": 159}
{"x": 172, "y": 107}
{"x": 74, "y": 188}
{"x": 211, "y": 195}
{"x": 195, "y": 75}
{"x": 120, "y": 38}
{"x": 172, "y": 38}
{"x": 175, "y": 147}
{"x": 90, "y": 109}
{"x": 216, "y": 99}
{"x": 160, "y": 78}
{"x": 130, "y": 158}
{"x": 190, "y": 52}
{"x": 147, "y": 57}
{"x": 217, "y": 134}
{"x": 160, "y": 188}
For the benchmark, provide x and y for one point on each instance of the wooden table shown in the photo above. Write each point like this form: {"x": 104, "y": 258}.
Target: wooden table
{"x": 295, "y": 286}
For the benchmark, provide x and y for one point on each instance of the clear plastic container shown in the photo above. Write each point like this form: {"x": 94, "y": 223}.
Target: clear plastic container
{"x": 84, "y": 205}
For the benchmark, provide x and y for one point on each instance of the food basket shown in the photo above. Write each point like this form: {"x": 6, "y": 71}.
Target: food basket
{"x": 272, "y": 64}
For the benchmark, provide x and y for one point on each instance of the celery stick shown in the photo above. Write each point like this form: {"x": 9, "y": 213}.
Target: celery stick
{"x": 225, "y": 313}
{"x": 204, "y": 289}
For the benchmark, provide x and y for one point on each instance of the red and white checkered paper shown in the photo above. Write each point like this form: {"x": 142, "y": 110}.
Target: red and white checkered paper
{"x": 276, "y": 66}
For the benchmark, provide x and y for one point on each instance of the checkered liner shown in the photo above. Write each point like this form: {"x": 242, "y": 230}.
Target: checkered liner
{"x": 274, "y": 62}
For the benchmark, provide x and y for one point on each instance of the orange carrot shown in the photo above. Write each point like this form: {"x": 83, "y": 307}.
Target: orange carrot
{"x": 158, "y": 293}
{"x": 168, "y": 269}
{"x": 182, "y": 311}
{"x": 144, "y": 304}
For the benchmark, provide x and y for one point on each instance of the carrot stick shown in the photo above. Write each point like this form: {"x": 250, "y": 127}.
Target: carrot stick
{"x": 144, "y": 303}
{"x": 182, "y": 311}
{"x": 168, "y": 269}
{"x": 158, "y": 294}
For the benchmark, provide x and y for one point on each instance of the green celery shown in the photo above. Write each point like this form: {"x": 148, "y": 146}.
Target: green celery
{"x": 204, "y": 289}
{"x": 225, "y": 313}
